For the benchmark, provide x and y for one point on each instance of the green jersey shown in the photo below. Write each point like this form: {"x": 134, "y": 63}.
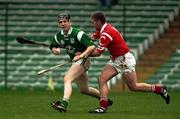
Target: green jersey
{"x": 74, "y": 41}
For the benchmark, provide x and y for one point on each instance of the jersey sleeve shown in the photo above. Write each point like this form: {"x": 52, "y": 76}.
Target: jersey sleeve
{"x": 103, "y": 43}
{"x": 84, "y": 39}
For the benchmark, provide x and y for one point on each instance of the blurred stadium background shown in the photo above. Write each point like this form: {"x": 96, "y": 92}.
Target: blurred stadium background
{"x": 151, "y": 29}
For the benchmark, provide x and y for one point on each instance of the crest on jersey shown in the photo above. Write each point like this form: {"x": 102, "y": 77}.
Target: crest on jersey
{"x": 72, "y": 40}
{"x": 62, "y": 42}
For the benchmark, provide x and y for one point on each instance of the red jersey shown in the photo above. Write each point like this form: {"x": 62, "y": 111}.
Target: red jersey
{"x": 112, "y": 39}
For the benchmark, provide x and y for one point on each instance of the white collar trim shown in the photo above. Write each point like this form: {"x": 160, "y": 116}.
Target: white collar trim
{"x": 103, "y": 27}
{"x": 69, "y": 32}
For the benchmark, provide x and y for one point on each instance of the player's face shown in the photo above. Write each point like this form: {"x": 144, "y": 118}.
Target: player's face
{"x": 64, "y": 24}
{"x": 95, "y": 24}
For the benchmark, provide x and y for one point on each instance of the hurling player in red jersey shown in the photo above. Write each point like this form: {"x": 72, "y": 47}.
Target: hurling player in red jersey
{"x": 122, "y": 61}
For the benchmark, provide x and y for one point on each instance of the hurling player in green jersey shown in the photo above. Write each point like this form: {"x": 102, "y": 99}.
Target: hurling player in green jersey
{"x": 77, "y": 44}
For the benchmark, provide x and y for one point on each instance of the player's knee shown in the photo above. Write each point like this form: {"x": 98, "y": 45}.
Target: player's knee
{"x": 133, "y": 88}
{"x": 101, "y": 80}
{"x": 67, "y": 78}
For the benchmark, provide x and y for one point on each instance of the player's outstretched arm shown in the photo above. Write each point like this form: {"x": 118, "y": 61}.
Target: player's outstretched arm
{"x": 84, "y": 54}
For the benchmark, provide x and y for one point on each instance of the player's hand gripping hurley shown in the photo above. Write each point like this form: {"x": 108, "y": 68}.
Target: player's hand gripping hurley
{"x": 52, "y": 68}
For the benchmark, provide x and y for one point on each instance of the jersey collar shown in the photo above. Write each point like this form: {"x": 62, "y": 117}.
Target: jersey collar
{"x": 69, "y": 32}
{"x": 103, "y": 27}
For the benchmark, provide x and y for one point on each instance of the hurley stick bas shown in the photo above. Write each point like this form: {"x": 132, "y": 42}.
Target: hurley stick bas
{"x": 23, "y": 40}
{"x": 52, "y": 68}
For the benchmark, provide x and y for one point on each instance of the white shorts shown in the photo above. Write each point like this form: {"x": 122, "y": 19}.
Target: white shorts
{"x": 124, "y": 64}
{"x": 85, "y": 63}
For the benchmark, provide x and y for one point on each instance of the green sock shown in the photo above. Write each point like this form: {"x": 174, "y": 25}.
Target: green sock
{"x": 64, "y": 103}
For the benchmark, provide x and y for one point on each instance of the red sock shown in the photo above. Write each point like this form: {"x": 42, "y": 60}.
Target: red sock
{"x": 104, "y": 103}
{"x": 157, "y": 89}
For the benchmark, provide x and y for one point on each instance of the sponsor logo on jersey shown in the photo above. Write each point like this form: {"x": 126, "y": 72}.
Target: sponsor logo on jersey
{"x": 70, "y": 49}
{"x": 66, "y": 38}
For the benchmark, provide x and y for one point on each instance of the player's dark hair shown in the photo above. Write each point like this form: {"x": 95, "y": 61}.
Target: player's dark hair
{"x": 99, "y": 16}
{"x": 64, "y": 15}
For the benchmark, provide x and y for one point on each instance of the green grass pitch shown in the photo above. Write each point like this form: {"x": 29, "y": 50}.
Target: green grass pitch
{"x": 127, "y": 105}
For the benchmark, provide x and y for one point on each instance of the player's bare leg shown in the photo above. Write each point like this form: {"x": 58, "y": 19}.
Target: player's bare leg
{"x": 131, "y": 81}
{"x": 107, "y": 73}
{"x": 74, "y": 72}
{"x": 82, "y": 83}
